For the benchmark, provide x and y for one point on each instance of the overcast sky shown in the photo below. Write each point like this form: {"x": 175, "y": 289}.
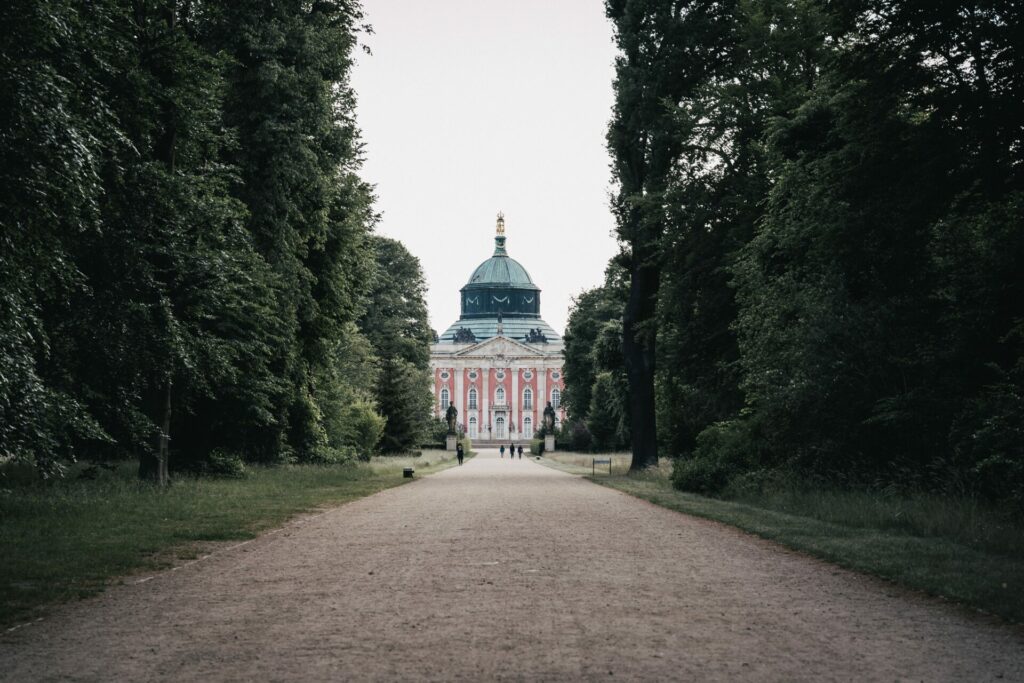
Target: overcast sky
{"x": 469, "y": 107}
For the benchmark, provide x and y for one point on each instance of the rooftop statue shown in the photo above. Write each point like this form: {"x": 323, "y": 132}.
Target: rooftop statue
{"x": 535, "y": 336}
{"x": 464, "y": 335}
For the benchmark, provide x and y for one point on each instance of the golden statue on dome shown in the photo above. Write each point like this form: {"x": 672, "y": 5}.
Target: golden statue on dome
{"x": 501, "y": 223}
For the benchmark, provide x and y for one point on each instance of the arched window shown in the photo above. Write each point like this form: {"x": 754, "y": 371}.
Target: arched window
{"x": 527, "y": 399}
{"x": 472, "y": 399}
{"x": 445, "y": 399}
{"x": 499, "y": 396}
{"x": 472, "y": 427}
{"x": 527, "y": 428}
{"x": 556, "y": 397}
{"x": 499, "y": 427}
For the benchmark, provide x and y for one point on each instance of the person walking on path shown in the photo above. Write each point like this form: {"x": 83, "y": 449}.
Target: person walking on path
{"x": 520, "y": 451}
{"x": 460, "y": 453}
{"x": 511, "y": 450}
{"x": 502, "y": 450}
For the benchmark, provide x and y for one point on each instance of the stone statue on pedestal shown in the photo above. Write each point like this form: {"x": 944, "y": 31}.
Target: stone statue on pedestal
{"x": 549, "y": 419}
{"x": 450, "y": 416}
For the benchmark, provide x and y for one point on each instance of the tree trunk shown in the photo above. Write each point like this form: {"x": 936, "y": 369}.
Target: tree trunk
{"x": 163, "y": 475}
{"x": 638, "y": 348}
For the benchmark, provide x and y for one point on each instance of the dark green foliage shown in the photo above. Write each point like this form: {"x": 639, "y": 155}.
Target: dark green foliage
{"x": 596, "y": 389}
{"x": 437, "y": 432}
{"x": 608, "y": 418}
{"x": 723, "y": 451}
{"x": 362, "y": 428}
{"x": 395, "y": 322}
{"x": 221, "y": 463}
{"x": 185, "y": 240}
{"x": 590, "y": 312}
{"x": 52, "y": 135}
{"x": 580, "y": 438}
{"x": 666, "y": 50}
{"x": 308, "y": 213}
{"x": 839, "y": 230}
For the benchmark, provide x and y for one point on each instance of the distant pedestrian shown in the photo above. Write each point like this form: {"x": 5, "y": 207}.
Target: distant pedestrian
{"x": 502, "y": 450}
{"x": 520, "y": 451}
{"x": 511, "y": 450}
{"x": 460, "y": 453}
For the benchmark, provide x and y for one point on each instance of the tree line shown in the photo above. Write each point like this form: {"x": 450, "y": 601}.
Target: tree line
{"x": 188, "y": 268}
{"x": 820, "y": 208}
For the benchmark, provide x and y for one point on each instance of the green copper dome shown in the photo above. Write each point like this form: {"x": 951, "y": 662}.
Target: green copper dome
{"x": 500, "y": 270}
{"x": 500, "y": 298}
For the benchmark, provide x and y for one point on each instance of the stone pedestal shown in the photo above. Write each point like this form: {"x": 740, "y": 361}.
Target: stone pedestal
{"x": 450, "y": 442}
{"x": 549, "y": 443}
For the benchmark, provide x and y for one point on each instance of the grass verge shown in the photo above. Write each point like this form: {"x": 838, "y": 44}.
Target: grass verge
{"x": 70, "y": 539}
{"x": 944, "y": 547}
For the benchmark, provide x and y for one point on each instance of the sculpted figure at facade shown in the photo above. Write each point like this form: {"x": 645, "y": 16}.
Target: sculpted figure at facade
{"x": 451, "y": 415}
{"x": 549, "y": 419}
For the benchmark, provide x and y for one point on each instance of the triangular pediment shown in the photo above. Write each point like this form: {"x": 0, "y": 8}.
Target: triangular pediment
{"x": 498, "y": 346}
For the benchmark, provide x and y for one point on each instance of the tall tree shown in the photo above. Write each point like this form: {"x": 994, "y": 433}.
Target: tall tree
{"x": 54, "y": 126}
{"x": 715, "y": 199}
{"x": 867, "y": 323}
{"x": 396, "y": 324}
{"x": 185, "y": 233}
{"x": 659, "y": 62}
{"x": 596, "y": 390}
{"x": 298, "y": 154}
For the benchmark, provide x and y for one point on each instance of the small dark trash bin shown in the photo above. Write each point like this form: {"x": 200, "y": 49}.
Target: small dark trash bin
{"x": 407, "y": 472}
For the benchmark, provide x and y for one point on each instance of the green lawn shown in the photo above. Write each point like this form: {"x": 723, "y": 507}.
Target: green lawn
{"x": 947, "y": 547}
{"x": 70, "y": 539}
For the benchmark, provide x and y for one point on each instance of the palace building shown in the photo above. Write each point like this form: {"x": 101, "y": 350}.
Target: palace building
{"x": 500, "y": 364}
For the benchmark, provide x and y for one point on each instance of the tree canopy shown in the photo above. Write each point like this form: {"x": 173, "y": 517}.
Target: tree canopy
{"x": 187, "y": 257}
{"x": 819, "y": 208}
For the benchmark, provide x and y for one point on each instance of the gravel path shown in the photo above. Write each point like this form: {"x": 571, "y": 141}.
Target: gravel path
{"x": 509, "y": 570}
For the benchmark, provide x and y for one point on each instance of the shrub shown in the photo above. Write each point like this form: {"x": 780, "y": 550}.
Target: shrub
{"x": 221, "y": 463}
{"x": 723, "y": 451}
{"x": 988, "y": 442}
{"x": 537, "y": 446}
{"x": 362, "y": 428}
{"x": 603, "y": 416}
{"x": 437, "y": 432}
{"x": 579, "y": 436}
{"x": 325, "y": 455}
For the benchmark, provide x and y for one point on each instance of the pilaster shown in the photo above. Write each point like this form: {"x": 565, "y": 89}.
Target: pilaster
{"x": 514, "y": 403}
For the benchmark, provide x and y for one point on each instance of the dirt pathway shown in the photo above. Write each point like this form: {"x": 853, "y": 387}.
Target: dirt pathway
{"x": 509, "y": 570}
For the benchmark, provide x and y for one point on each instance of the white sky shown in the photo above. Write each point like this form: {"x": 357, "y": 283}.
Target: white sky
{"x": 468, "y": 107}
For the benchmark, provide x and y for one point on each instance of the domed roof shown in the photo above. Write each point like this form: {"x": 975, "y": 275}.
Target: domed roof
{"x": 501, "y": 269}
{"x": 500, "y": 299}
